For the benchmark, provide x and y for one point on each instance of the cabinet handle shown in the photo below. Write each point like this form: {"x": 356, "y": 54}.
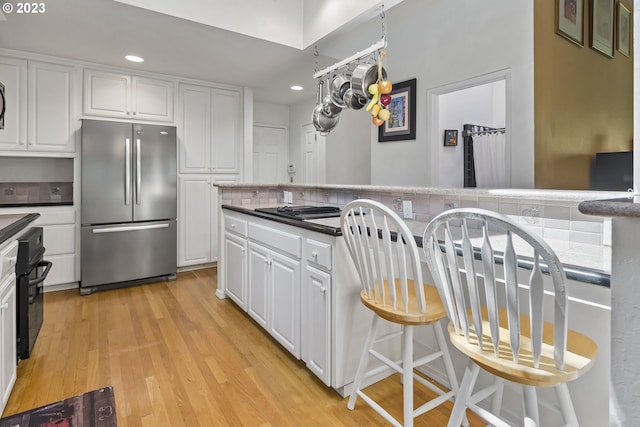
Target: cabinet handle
{"x": 323, "y": 290}
{"x": 314, "y": 254}
{"x": 4, "y": 306}
{"x": 233, "y": 226}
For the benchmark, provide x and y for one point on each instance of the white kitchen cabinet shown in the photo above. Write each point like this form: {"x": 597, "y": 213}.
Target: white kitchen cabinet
{"x": 196, "y": 220}
{"x": 123, "y": 96}
{"x": 209, "y": 136}
{"x": 235, "y": 269}
{"x": 60, "y": 241}
{"x": 8, "y": 339}
{"x": 274, "y": 294}
{"x": 52, "y": 119}
{"x": 41, "y": 109}
{"x": 316, "y": 322}
{"x": 13, "y": 74}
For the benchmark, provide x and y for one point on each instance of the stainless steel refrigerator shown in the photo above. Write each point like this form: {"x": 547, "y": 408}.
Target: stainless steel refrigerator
{"x": 128, "y": 202}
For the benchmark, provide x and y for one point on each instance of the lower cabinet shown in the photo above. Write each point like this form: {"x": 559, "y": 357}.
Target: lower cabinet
{"x": 8, "y": 339}
{"x": 196, "y": 237}
{"x": 236, "y": 266}
{"x": 316, "y": 322}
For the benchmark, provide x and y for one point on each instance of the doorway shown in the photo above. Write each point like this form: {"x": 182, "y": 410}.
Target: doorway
{"x": 313, "y": 155}
{"x": 481, "y": 101}
{"x": 270, "y": 154}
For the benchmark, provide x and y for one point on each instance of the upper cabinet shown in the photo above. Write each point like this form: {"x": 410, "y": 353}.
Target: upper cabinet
{"x": 209, "y": 130}
{"x": 41, "y": 112}
{"x": 130, "y": 97}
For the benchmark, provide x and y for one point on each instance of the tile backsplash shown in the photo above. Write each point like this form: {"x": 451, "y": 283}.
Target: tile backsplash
{"x": 26, "y": 193}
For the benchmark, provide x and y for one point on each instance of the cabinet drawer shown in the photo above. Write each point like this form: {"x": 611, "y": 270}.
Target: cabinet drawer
{"x": 63, "y": 270}
{"x": 59, "y": 239}
{"x": 50, "y": 216}
{"x": 318, "y": 253}
{"x": 8, "y": 258}
{"x": 277, "y": 239}
{"x": 235, "y": 225}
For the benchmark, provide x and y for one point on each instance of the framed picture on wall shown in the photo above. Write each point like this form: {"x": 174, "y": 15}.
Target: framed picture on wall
{"x": 450, "y": 138}
{"x": 623, "y": 39}
{"x": 402, "y": 123}
{"x": 601, "y": 25}
{"x": 569, "y": 20}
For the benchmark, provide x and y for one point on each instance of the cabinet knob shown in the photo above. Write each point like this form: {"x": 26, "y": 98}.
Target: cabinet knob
{"x": 4, "y": 306}
{"x": 314, "y": 254}
{"x": 323, "y": 290}
{"x": 233, "y": 226}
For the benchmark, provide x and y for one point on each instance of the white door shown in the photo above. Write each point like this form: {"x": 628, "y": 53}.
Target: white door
{"x": 313, "y": 155}
{"x": 195, "y": 220}
{"x": 270, "y": 155}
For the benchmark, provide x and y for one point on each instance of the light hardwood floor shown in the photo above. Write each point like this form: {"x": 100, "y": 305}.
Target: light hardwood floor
{"x": 178, "y": 356}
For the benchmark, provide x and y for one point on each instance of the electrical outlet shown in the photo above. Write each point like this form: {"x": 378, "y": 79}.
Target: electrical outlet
{"x": 407, "y": 209}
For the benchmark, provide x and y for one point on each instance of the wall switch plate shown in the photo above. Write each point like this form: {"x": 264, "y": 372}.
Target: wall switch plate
{"x": 288, "y": 197}
{"x": 407, "y": 209}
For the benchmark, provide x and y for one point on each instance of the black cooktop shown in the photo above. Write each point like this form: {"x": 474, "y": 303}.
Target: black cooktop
{"x": 302, "y": 212}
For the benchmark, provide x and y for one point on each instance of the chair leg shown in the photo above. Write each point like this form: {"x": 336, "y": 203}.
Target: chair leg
{"x": 531, "y": 415}
{"x": 364, "y": 361}
{"x": 448, "y": 364}
{"x": 496, "y": 403}
{"x": 566, "y": 405}
{"x": 407, "y": 374}
{"x": 466, "y": 388}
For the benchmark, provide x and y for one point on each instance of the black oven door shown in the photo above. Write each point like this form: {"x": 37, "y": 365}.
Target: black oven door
{"x": 31, "y": 313}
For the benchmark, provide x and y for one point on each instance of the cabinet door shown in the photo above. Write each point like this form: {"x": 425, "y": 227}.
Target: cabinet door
{"x": 8, "y": 349}
{"x": 194, "y": 220}
{"x": 258, "y": 272}
{"x": 52, "y": 122}
{"x": 13, "y": 74}
{"x": 152, "y": 99}
{"x": 235, "y": 249}
{"x": 106, "y": 94}
{"x": 194, "y": 136}
{"x": 284, "y": 304}
{"x": 316, "y": 323}
{"x": 226, "y": 129}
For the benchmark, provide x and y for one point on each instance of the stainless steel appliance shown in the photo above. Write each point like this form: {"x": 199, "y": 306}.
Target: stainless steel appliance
{"x": 3, "y": 105}
{"x": 31, "y": 270}
{"x": 129, "y": 203}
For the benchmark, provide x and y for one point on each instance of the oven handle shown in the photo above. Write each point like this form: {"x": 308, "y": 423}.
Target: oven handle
{"x": 39, "y": 280}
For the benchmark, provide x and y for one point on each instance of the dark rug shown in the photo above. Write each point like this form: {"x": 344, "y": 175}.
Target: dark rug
{"x": 96, "y": 408}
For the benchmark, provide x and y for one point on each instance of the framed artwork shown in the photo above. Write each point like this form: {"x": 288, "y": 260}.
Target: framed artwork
{"x": 601, "y": 25}
{"x": 569, "y": 20}
{"x": 623, "y": 39}
{"x": 450, "y": 138}
{"x": 402, "y": 123}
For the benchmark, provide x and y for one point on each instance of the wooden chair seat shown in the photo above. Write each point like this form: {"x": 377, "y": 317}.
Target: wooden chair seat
{"x": 580, "y": 354}
{"x": 413, "y": 316}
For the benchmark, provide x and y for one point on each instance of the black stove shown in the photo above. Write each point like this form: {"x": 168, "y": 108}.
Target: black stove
{"x": 302, "y": 212}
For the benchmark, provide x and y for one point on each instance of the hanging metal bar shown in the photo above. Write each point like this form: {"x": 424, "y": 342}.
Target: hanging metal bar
{"x": 480, "y": 132}
{"x": 368, "y": 51}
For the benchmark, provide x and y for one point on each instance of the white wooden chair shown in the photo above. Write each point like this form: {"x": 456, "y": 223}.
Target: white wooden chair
{"x": 387, "y": 260}
{"x": 496, "y": 314}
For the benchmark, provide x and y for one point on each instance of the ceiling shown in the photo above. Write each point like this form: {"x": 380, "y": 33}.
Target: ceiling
{"x": 103, "y": 31}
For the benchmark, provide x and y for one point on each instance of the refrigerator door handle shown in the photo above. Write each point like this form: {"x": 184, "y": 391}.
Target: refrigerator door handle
{"x": 138, "y": 174}
{"x": 127, "y": 171}
{"x": 125, "y": 228}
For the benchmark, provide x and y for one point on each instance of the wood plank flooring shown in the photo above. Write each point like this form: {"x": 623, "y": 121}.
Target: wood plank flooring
{"x": 178, "y": 356}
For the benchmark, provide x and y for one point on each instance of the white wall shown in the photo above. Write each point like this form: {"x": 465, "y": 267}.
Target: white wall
{"x": 441, "y": 42}
{"x": 270, "y": 114}
{"x": 480, "y": 105}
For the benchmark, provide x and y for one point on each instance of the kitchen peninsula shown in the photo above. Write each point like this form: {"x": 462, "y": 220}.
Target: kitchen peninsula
{"x": 294, "y": 277}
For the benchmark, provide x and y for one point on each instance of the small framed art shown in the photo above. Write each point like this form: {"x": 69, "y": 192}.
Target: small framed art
{"x": 601, "y": 25}
{"x": 623, "y": 39}
{"x": 450, "y": 138}
{"x": 569, "y": 20}
{"x": 402, "y": 123}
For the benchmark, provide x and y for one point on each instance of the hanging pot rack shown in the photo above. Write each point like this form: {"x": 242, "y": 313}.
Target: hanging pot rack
{"x": 374, "y": 48}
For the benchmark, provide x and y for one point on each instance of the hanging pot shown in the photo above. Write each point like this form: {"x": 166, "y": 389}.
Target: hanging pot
{"x": 353, "y": 100}
{"x": 339, "y": 85}
{"x": 323, "y": 123}
{"x": 329, "y": 108}
{"x": 363, "y": 76}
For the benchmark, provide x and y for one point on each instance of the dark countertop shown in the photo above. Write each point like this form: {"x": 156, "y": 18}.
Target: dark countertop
{"x": 14, "y": 223}
{"x": 621, "y": 207}
{"x": 32, "y": 204}
{"x": 577, "y": 273}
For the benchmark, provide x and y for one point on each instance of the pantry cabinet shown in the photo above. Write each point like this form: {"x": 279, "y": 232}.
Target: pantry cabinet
{"x": 209, "y": 135}
{"x": 197, "y": 243}
{"x": 124, "y": 96}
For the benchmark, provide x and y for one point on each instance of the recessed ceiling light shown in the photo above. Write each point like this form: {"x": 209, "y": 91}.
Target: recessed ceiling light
{"x": 296, "y": 87}
{"x": 133, "y": 58}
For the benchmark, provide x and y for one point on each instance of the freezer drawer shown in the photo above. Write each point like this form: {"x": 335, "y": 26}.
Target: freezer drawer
{"x": 124, "y": 252}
